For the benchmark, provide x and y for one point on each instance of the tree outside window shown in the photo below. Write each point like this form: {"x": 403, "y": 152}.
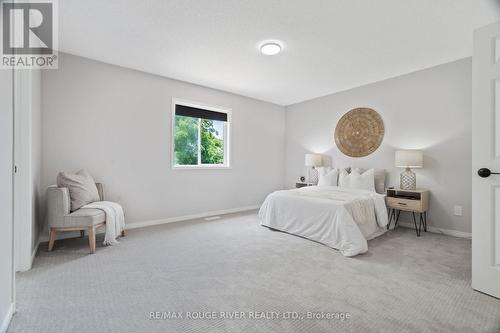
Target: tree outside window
{"x": 199, "y": 141}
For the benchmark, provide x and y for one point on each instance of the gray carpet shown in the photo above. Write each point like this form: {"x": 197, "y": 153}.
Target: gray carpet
{"x": 403, "y": 284}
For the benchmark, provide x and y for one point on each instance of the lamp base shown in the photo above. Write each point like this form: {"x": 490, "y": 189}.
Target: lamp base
{"x": 313, "y": 176}
{"x": 408, "y": 180}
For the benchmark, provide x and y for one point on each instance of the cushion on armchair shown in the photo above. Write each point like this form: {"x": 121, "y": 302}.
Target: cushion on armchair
{"x": 81, "y": 187}
{"x": 84, "y": 217}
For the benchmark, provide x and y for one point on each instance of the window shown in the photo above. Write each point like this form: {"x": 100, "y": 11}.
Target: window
{"x": 200, "y": 136}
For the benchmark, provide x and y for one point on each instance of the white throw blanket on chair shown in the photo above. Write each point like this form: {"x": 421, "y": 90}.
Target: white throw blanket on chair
{"x": 115, "y": 219}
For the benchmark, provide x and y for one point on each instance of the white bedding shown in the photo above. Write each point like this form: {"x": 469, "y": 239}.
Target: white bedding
{"x": 341, "y": 218}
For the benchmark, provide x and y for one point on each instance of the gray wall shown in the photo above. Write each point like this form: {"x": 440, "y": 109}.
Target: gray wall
{"x": 428, "y": 110}
{"x": 6, "y": 236}
{"x": 116, "y": 123}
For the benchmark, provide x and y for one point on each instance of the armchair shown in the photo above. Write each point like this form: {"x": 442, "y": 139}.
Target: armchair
{"x": 61, "y": 219}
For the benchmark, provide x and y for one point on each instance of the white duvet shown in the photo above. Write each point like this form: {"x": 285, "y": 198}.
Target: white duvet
{"x": 339, "y": 217}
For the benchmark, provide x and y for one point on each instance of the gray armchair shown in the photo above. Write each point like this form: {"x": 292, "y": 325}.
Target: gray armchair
{"x": 62, "y": 219}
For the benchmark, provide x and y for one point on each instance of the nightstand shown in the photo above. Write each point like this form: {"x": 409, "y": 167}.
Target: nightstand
{"x": 303, "y": 184}
{"x": 414, "y": 201}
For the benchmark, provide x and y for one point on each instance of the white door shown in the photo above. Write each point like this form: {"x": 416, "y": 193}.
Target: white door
{"x": 486, "y": 155}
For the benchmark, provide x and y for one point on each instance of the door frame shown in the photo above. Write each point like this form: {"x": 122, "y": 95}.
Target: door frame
{"x": 6, "y": 317}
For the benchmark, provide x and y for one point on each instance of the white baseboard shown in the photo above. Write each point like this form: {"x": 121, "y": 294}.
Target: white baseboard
{"x": 437, "y": 230}
{"x": 7, "y": 318}
{"x": 142, "y": 224}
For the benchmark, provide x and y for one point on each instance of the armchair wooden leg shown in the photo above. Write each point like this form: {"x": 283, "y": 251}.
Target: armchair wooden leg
{"x": 123, "y": 233}
{"x": 92, "y": 240}
{"x": 82, "y": 233}
{"x": 52, "y": 238}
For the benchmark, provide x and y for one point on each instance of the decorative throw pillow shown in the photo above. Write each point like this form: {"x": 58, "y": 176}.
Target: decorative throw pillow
{"x": 365, "y": 181}
{"x": 81, "y": 186}
{"x": 329, "y": 178}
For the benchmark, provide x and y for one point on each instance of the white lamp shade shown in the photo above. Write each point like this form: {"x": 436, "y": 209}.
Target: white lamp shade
{"x": 313, "y": 160}
{"x": 409, "y": 159}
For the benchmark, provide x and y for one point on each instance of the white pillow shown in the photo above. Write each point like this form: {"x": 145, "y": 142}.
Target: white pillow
{"x": 323, "y": 171}
{"x": 365, "y": 181}
{"x": 329, "y": 178}
{"x": 344, "y": 178}
{"x": 379, "y": 175}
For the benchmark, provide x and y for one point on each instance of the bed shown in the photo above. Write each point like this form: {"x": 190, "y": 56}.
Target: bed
{"x": 341, "y": 218}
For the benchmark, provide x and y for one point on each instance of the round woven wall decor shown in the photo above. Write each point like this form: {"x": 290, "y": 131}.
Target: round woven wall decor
{"x": 359, "y": 132}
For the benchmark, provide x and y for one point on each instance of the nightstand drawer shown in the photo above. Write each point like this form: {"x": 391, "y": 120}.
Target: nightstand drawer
{"x": 405, "y": 204}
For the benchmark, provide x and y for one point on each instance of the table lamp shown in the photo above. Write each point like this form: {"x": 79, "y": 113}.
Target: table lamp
{"x": 313, "y": 161}
{"x": 409, "y": 159}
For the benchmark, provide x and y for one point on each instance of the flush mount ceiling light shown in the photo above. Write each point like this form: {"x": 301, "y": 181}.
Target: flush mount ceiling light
{"x": 270, "y": 48}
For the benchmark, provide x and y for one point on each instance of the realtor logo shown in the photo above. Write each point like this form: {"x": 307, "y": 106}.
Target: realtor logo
{"x": 29, "y": 34}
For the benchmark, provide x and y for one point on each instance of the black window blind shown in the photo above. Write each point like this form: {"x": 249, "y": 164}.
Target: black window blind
{"x": 188, "y": 111}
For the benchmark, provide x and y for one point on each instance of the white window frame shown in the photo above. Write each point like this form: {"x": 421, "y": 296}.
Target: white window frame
{"x": 227, "y": 136}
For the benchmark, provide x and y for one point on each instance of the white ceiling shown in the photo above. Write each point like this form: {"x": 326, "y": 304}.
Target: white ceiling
{"x": 329, "y": 45}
